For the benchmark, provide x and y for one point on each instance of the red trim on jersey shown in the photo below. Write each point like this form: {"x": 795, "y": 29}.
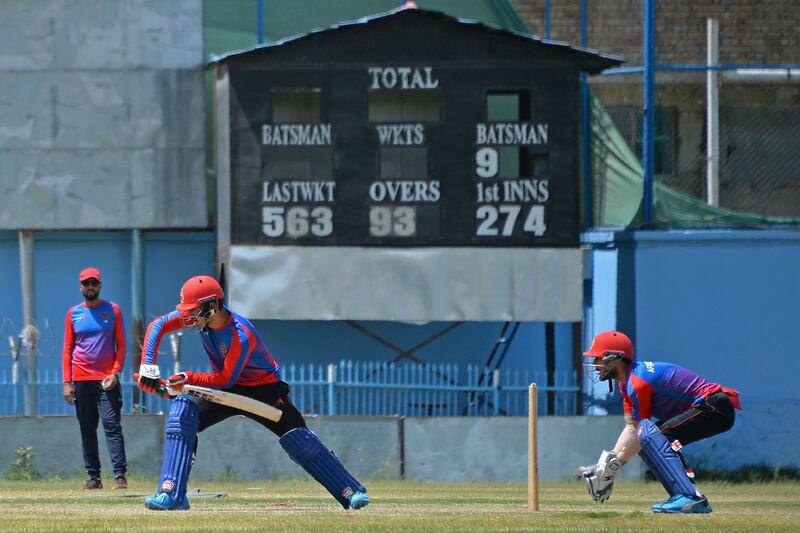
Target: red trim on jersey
{"x": 644, "y": 396}
{"x": 69, "y": 346}
{"x": 119, "y": 339}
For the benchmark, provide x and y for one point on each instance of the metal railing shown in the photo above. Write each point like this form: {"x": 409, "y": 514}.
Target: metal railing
{"x": 356, "y": 388}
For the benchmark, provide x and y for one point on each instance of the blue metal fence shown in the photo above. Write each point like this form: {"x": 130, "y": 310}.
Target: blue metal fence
{"x": 355, "y": 388}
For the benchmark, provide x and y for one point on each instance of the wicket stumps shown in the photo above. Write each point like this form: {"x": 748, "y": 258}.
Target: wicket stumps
{"x": 533, "y": 466}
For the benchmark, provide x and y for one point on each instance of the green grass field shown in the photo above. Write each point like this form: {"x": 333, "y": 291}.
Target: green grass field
{"x": 279, "y": 506}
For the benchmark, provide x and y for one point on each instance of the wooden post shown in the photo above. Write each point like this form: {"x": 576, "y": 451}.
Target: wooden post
{"x": 533, "y": 467}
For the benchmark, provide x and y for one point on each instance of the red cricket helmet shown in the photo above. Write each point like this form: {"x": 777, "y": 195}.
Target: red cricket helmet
{"x": 610, "y": 341}
{"x": 198, "y": 290}
{"x": 610, "y": 347}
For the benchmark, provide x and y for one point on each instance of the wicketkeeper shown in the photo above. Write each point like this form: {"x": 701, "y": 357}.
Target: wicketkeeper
{"x": 687, "y": 408}
{"x": 241, "y": 364}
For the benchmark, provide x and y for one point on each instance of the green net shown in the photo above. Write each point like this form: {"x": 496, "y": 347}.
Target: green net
{"x": 618, "y": 182}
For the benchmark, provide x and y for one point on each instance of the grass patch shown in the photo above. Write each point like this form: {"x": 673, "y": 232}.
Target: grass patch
{"x": 291, "y": 505}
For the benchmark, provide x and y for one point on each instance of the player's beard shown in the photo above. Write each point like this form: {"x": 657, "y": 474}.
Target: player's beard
{"x": 90, "y": 295}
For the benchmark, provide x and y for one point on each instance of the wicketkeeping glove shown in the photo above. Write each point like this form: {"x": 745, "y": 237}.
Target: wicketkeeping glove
{"x": 599, "y": 478}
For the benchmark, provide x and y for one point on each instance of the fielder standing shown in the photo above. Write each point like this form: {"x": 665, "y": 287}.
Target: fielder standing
{"x": 94, "y": 351}
{"x": 240, "y": 364}
{"x": 687, "y": 408}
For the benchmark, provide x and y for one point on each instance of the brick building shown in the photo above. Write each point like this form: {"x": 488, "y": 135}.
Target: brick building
{"x": 759, "y": 115}
{"x": 751, "y": 31}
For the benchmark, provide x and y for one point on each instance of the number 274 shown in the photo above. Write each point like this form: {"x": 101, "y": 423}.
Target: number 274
{"x": 491, "y": 224}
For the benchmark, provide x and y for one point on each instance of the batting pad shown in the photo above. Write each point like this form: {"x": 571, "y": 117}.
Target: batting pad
{"x": 181, "y": 433}
{"x": 305, "y": 449}
{"x": 663, "y": 461}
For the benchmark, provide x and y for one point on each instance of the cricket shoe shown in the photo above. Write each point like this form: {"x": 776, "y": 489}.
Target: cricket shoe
{"x": 358, "y": 500}
{"x": 656, "y": 507}
{"x": 683, "y": 504}
{"x": 165, "y": 502}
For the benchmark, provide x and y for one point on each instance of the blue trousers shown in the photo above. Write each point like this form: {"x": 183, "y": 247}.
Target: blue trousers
{"x": 92, "y": 404}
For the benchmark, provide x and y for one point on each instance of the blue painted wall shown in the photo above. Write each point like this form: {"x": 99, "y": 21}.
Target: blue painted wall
{"x": 171, "y": 257}
{"x": 723, "y": 303}
{"x": 720, "y": 302}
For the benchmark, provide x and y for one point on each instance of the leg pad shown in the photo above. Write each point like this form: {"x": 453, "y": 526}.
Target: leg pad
{"x": 305, "y": 449}
{"x": 181, "y": 433}
{"x": 662, "y": 460}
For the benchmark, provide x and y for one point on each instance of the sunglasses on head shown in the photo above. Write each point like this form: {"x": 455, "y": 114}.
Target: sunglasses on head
{"x": 90, "y": 282}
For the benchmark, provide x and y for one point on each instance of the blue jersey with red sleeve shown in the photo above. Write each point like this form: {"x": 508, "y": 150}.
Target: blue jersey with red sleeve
{"x": 94, "y": 342}
{"x": 663, "y": 390}
{"x": 237, "y": 354}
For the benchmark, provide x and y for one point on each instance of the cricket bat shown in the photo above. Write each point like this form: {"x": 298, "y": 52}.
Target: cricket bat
{"x": 237, "y": 401}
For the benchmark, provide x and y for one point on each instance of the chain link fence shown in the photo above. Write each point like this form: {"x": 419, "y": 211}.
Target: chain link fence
{"x": 759, "y": 135}
{"x": 755, "y": 45}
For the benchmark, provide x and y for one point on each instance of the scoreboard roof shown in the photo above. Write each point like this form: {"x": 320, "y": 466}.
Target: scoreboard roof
{"x": 587, "y": 59}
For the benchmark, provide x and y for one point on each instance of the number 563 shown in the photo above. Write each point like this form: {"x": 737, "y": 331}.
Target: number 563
{"x": 296, "y": 221}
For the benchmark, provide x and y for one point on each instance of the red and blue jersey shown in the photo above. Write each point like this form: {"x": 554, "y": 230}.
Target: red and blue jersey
{"x": 237, "y": 354}
{"x": 94, "y": 342}
{"x": 663, "y": 390}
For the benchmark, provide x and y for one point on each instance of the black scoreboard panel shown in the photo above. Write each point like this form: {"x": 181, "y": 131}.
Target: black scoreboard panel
{"x": 405, "y": 155}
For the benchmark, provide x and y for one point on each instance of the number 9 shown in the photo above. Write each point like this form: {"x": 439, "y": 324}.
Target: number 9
{"x": 486, "y": 162}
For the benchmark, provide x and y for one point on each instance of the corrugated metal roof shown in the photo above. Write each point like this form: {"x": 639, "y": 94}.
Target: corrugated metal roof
{"x": 215, "y": 59}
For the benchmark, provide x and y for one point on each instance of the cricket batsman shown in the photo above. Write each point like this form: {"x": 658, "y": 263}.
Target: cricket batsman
{"x": 240, "y": 364}
{"x": 686, "y": 408}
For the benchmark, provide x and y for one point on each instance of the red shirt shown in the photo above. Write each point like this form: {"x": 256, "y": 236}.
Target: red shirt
{"x": 94, "y": 342}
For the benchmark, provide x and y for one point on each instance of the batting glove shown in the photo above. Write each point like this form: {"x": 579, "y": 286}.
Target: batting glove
{"x": 177, "y": 381}
{"x": 150, "y": 379}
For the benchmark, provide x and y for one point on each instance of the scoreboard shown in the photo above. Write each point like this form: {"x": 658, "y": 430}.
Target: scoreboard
{"x": 408, "y": 166}
{"x": 403, "y": 155}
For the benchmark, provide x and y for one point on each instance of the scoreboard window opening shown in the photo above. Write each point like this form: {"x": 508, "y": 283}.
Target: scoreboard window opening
{"x": 404, "y": 106}
{"x": 535, "y": 163}
{"x": 404, "y": 163}
{"x": 508, "y": 159}
{"x": 298, "y": 162}
{"x": 302, "y": 105}
{"x": 508, "y": 106}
